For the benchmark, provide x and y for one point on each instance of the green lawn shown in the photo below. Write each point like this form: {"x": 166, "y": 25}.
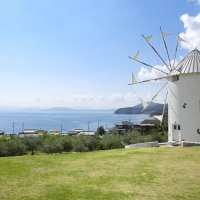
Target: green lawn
{"x": 148, "y": 173}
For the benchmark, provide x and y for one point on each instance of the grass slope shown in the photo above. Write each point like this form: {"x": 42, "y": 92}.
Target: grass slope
{"x": 151, "y": 173}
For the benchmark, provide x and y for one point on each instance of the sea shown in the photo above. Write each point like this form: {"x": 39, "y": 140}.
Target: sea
{"x": 16, "y": 121}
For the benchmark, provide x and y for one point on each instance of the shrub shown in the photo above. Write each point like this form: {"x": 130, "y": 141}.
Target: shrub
{"x": 3, "y": 149}
{"x": 112, "y": 141}
{"x": 78, "y": 144}
{"x": 150, "y": 136}
{"x": 131, "y": 137}
{"x": 32, "y": 143}
{"x": 92, "y": 143}
{"x": 15, "y": 147}
{"x": 52, "y": 146}
{"x": 66, "y": 143}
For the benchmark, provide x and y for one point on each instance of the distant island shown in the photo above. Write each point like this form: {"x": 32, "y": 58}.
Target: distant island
{"x": 152, "y": 109}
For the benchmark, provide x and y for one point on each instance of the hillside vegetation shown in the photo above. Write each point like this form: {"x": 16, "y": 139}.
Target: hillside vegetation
{"x": 61, "y": 144}
{"x": 151, "y": 173}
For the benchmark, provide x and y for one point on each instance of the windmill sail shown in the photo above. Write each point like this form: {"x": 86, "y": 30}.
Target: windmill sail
{"x": 134, "y": 81}
{"x": 148, "y": 38}
{"x": 136, "y": 56}
{"x": 164, "y": 34}
{"x": 144, "y": 104}
{"x": 156, "y": 51}
{"x": 175, "y": 52}
{"x": 144, "y": 81}
{"x": 181, "y": 39}
{"x": 158, "y": 92}
{"x": 159, "y": 117}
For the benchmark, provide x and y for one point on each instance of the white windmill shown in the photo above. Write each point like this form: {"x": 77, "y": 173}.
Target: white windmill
{"x": 183, "y": 93}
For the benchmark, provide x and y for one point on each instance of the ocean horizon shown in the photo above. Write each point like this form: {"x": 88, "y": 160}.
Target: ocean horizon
{"x": 16, "y": 121}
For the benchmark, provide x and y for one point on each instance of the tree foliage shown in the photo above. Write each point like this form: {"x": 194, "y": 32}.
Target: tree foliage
{"x": 101, "y": 130}
{"x": 59, "y": 144}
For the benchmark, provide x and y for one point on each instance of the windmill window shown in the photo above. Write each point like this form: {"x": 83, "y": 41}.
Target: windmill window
{"x": 174, "y": 126}
{"x": 175, "y": 78}
{"x": 179, "y": 127}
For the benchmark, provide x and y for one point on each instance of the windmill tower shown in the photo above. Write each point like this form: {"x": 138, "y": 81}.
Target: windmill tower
{"x": 183, "y": 92}
{"x": 184, "y": 100}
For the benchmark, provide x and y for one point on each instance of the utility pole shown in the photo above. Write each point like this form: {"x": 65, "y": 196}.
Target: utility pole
{"x": 88, "y": 127}
{"x": 98, "y": 124}
{"x": 13, "y": 127}
{"x": 61, "y": 129}
{"x": 22, "y": 127}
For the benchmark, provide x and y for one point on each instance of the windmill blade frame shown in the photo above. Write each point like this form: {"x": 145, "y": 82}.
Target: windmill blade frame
{"x": 156, "y": 52}
{"x": 165, "y": 44}
{"x": 148, "y": 65}
{"x": 144, "y": 81}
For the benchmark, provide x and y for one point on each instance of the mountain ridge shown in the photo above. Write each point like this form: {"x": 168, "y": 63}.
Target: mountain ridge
{"x": 152, "y": 109}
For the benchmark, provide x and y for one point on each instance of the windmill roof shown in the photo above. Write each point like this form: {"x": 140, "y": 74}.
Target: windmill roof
{"x": 149, "y": 121}
{"x": 190, "y": 64}
{"x": 124, "y": 123}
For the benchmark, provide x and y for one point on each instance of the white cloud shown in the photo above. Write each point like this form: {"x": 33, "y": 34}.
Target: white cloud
{"x": 151, "y": 73}
{"x": 192, "y": 31}
{"x": 117, "y": 97}
{"x": 130, "y": 97}
{"x": 100, "y": 101}
{"x": 145, "y": 73}
{"x": 101, "y": 97}
{"x": 197, "y": 1}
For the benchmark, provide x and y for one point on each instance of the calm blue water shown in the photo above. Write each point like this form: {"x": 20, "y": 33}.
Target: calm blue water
{"x": 68, "y": 119}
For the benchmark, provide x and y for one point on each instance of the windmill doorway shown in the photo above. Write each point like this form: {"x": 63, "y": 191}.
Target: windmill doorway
{"x": 176, "y": 130}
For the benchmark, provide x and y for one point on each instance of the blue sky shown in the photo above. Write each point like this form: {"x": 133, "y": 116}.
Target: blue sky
{"x": 74, "y": 53}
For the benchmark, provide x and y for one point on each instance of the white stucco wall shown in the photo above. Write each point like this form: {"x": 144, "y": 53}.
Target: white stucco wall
{"x": 185, "y": 90}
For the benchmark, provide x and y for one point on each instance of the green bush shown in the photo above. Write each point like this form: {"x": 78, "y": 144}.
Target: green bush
{"x": 131, "y": 137}
{"x": 78, "y": 145}
{"x": 3, "y": 149}
{"x": 52, "y": 146}
{"x": 32, "y": 143}
{"x": 15, "y": 147}
{"x": 150, "y": 136}
{"x": 112, "y": 141}
{"x": 66, "y": 143}
{"x": 58, "y": 144}
{"x": 92, "y": 143}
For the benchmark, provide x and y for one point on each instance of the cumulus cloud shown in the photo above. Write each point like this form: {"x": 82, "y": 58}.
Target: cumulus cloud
{"x": 191, "y": 32}
{"x": 145, "y": 73}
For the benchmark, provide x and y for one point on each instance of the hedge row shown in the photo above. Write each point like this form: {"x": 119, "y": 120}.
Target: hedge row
{"x": 59, "y": 144}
